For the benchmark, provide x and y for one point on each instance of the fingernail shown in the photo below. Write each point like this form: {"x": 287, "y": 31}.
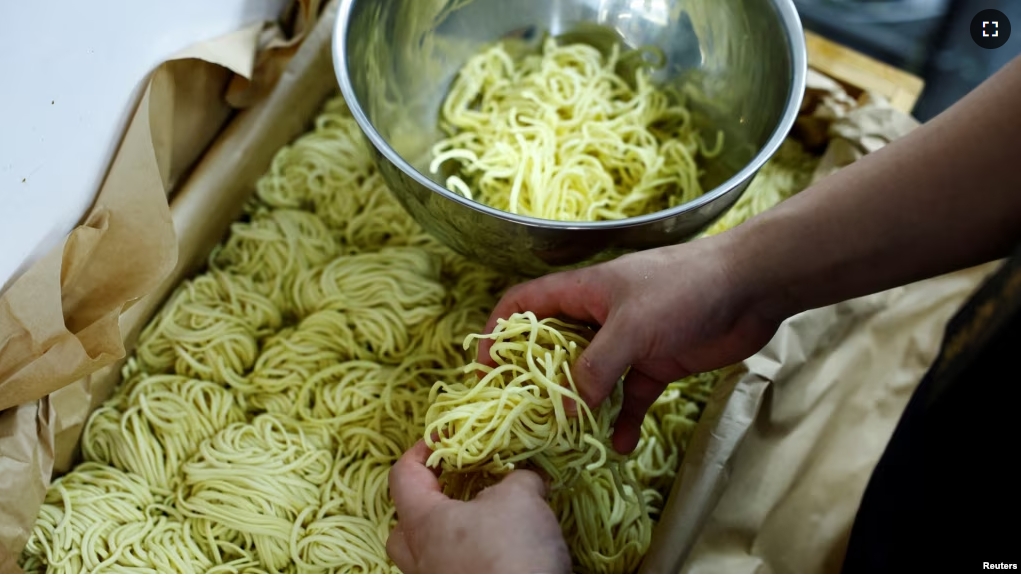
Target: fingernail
{"x": 622, "y": 444}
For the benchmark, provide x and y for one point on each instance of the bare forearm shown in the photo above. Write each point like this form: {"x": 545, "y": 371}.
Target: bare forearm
{"x": 946, "y": 197}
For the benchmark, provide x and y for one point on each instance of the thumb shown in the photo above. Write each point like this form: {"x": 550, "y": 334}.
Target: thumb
{"x": 599, "y": 368}
{"x": 414, "y": 487}
{"x": 520, "y": 482}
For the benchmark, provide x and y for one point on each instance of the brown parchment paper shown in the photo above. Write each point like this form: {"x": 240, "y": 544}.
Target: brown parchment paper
{"x": 40, "y": 436}
{"x": 183, "y": 111}
{"x": 203, "y": 209}
{"x": 278, "y": 43}
{"x": 62, "y": 319}
{"x": 59, "y": 320}
{"x": 797, "y": 479}
{"x": 706, "y": 469}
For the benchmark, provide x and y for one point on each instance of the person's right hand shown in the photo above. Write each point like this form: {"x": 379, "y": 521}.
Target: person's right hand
{"x": 665, "y": 313}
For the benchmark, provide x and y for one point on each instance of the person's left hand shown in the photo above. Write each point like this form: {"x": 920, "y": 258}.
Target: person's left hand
{"x": 507, "y": 528}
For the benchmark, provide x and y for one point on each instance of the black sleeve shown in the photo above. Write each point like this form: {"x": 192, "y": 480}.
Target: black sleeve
{"x": 946, "y": 494}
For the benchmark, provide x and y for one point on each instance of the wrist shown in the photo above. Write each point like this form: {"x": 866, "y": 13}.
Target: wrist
{"x": 753, "y": 271}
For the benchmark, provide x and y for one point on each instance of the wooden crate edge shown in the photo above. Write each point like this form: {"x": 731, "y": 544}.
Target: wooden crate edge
{"x": 860, "y": 73}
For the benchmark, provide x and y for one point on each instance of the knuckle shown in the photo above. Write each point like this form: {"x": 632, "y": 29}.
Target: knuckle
{"x": 525, "y": 482}
{"x": 599, "y": 368}
{"x": 523, "y": 478}
{"x": 512, "y": 297}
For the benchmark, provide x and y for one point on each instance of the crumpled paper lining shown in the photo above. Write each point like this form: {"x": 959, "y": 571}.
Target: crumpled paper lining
{"x": 24, "y": 472}
{"x": 68, "y": 320}
{"x": 278, "y": 43}
{"x": 797, "y": 479}
{"x": 707, "y": 469}
{"x": 202, "y": 210}
{"x": 59, "y": 320}
{"x": 844, "y": 128}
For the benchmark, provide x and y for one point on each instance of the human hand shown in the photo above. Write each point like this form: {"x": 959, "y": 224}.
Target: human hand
{"x": 507, "y": 528}
{"x": 665, "y": 313}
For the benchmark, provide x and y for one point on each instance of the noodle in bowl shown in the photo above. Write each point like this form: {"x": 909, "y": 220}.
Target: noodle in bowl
{"x": 738, "y": 66}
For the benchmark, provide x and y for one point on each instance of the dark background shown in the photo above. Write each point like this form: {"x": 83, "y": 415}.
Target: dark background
{"x": 929, "y": 38}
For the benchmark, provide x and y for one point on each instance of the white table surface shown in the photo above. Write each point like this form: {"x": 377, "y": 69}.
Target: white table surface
{"x": 70, "y": 75}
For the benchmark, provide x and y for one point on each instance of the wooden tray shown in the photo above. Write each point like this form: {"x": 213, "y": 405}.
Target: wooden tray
{"x": 859, "y": 73}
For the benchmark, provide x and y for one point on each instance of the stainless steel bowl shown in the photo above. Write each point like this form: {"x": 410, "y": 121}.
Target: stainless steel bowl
{"x": 743, "y": 63}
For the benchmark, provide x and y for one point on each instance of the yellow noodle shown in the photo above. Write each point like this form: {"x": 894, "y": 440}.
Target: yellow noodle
{"x": 515, "y": 411}
{"x": 360, "y": 484}
{"x": 210, "y": 329}
{"x": 400, "y": 281}
{"x": 323, "y": 339}
{"x": 330, "y": 172}
{"x": 664, "y": 438}
{"x": 606, "y": 532}
{"x": 256, "y": 479}
{"x": 337, "y": 542}
{"x": 164, "y": 419}
{"x": 785, "y": 174}
{"x": 257, "y": 420}
{"x": 562, "y": 136}
{"x": 272, "y": 248}
{"x": 329, "y": 161}
{"x": 99, "y": 519}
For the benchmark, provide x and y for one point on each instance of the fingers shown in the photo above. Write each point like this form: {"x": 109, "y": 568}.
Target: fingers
{"x": 578, "y": 295}
{"x": 414, "y": 487}
{"x": 518, "y": 483}
{"x": 601, "y": 365}
{"x": 547, "y": 480}
{"x": 640, "y": 392}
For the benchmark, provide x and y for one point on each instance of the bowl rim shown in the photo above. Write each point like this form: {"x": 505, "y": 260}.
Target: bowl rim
{"x": 796, "y": 91}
